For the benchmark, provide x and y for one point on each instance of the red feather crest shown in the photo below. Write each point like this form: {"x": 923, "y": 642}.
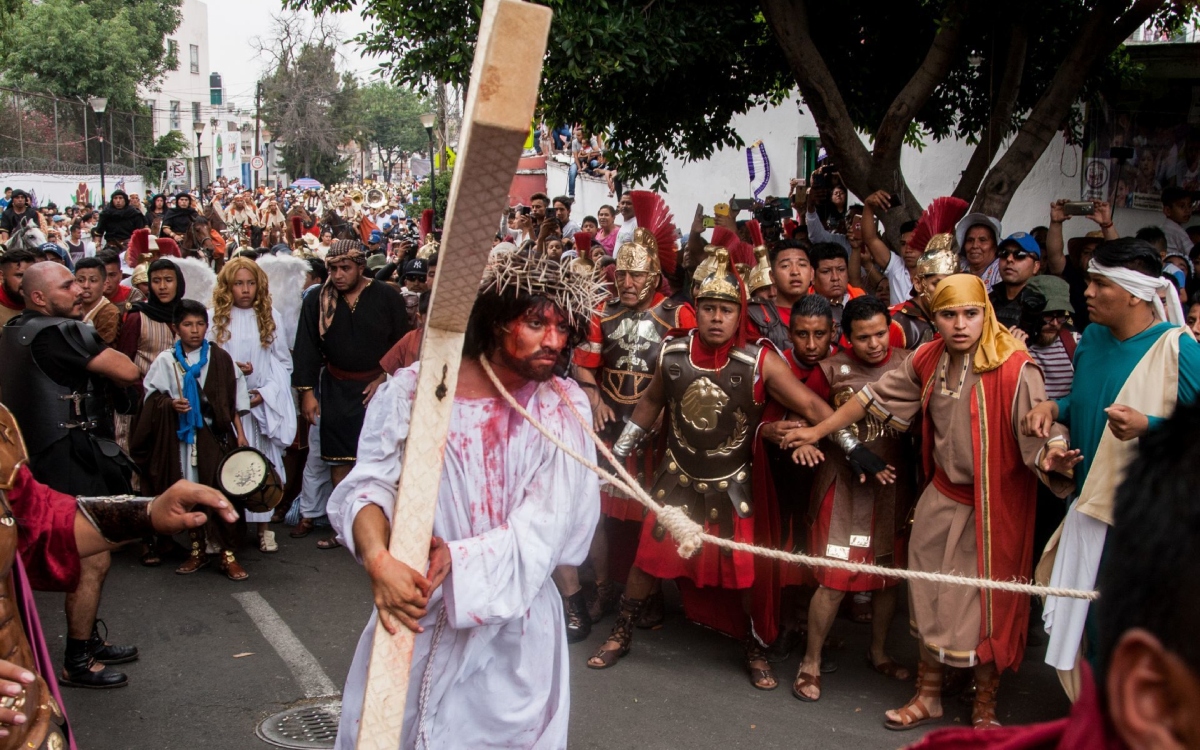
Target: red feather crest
{"x": 583, "y": 244}
{"x": 739, "y": 251}
{"x": 653, "y": 214}
{"x": 426, "y": 224}
{"x": 297, "y": 227}
{"x": 941, "y": 216}
{"x": 168, "y": 248}
{"x": 755, "y": 231}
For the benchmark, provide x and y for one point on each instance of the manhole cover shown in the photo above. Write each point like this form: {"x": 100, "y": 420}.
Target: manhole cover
{"x": 303, "y": 727}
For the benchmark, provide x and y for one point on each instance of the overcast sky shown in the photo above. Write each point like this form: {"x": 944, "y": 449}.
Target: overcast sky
{"x": 233, "y": 24}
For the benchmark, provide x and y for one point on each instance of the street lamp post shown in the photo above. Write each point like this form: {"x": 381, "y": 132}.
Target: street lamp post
{"x": 99, "y": 104}
{"x": 427, "y": 121}
{"x": 198, "y": 126}
{"x": 267, "y": 162}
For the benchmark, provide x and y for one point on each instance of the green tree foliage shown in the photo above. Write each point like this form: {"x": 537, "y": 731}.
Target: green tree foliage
{"x": 391, "y": 123}
{"x": 665, "y": 78}
{"x": 169, "y": 146}
{"x": 82, "y": 48}
{"x": 421, "y": 198}
{"x": 309, "y": 107}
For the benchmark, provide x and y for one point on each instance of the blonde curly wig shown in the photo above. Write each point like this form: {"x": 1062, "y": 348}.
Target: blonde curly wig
{"x": 223, "y": 301}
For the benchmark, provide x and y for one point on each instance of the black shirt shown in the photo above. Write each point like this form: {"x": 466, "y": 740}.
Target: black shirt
{"x": 1008, "y": 311}
{"x": 64, "y": 363}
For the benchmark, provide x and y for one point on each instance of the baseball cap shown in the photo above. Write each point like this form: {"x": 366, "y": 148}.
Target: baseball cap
{"x": 416, "y": 267}
{"x": 1024, "y": 242}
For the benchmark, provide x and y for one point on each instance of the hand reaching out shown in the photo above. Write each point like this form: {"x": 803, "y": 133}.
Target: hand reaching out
{"x": 1059, "y": 460}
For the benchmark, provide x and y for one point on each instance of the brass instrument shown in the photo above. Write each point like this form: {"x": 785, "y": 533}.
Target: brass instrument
{"x": 376, "y": 199}
{"x": 356, "y": 197}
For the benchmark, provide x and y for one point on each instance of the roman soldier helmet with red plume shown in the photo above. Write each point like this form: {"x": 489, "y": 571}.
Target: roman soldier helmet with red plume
{"x": 652, "y": 249}
{"x": 426, "y": 225}
{"x": 934, "y": 237}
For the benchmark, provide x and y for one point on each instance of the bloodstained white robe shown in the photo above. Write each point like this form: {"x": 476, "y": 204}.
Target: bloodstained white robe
{"x": 511, "y": 507}
{"x": 272, "y": 424}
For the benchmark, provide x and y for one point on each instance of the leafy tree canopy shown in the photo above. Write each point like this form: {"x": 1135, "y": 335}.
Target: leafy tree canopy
{"x": 391, "y": 122}
{"x": 665, "y": 78}
{"x": 83, "y": 48}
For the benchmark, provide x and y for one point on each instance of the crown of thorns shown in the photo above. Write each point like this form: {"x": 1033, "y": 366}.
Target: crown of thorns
{"x": 576, "y": 294}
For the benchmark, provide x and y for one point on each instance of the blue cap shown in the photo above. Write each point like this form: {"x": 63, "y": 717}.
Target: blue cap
{"x": 1025, "y": 242}
{"x": 376, "y": 236}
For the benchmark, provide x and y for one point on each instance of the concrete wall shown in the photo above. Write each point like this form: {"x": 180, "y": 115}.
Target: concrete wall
{"x": 930, "y": 173}
{"x": 61, "y": 189}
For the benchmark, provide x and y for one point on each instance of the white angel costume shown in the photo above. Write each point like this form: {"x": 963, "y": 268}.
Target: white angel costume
{"x": 272, "y": 424}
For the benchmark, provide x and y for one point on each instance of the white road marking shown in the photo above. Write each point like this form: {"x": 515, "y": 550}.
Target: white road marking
{"x": 299, "y": 660}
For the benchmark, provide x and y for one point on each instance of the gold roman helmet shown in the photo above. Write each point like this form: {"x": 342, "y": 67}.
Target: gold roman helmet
{"x": 428, "y": 250}
{"x": 759, "y": 276}
{"x": 706, "y": 266}
{"x": 721, "y": 284}
{"x": 141, "y": 275}
{"x": 940, "y": 256}
{"x": 640, "y": 255}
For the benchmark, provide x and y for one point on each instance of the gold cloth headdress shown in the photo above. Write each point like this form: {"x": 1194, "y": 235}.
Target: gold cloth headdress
{"x": 996, "y": 344}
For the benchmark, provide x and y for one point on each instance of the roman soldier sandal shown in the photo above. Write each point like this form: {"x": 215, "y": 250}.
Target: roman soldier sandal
{"x": 983, "y": 712}
{"x": 890, "y": 668}
{"x": 622, "y": 634}
{"x": 913, "y": 714}
{"x": 803, "y": 680}
{"x": 232, "y": 569}
{"x": 761, "y": 677}
{"x": 302, "y": 529}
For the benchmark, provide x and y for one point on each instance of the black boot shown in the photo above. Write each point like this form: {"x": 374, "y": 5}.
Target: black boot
{"x": 77, "y": 669}
{"x": 579, "y": 625}
{"x": 105, "y": 652}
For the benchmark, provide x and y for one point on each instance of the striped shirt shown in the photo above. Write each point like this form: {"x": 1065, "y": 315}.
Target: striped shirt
{"x": 1056, "y": 366}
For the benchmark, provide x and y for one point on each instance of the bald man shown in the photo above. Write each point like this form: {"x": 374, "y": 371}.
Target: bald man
{"x": 53, "y": 379}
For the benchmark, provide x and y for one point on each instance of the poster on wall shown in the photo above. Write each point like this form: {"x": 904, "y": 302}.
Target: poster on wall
{"x": 1143, "y": 145}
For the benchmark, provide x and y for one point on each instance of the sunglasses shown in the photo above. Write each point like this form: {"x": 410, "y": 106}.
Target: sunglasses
{"x": 1016, "y": 254}
{"x": 1051, "y": 317}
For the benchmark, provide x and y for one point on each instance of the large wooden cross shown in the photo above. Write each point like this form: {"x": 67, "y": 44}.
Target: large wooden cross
{"x": 499, "y": 109}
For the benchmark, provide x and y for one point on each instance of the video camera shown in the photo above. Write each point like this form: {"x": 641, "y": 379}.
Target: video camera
{"x": 772, "y": 211}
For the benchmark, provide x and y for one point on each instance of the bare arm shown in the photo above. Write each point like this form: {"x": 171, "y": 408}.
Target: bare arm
{"x": 1056, "y": 259}
{"x": 651, "y": 403}
{"x": 880, "y": 252}
{"x": 787, "y": 390}
{"x": 115, "y": 366}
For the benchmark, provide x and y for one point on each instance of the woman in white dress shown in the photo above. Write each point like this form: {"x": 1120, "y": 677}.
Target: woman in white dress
{"x": 246, "y": 326}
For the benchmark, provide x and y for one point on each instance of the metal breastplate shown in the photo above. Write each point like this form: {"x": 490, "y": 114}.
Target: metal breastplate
{"x": 917, "y": 330}
{"x": 45, "y": 410}
{"x": 846, "y": 378}
{"x": 632, "y": 340}
{"x": 711, "y": 420}
{"x": 765, "y": 316}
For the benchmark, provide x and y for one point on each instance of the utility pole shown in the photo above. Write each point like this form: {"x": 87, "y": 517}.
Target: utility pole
{"x": 257, "y": 108}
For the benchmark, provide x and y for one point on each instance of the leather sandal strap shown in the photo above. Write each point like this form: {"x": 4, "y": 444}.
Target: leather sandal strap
{"x": 912, "y": 712}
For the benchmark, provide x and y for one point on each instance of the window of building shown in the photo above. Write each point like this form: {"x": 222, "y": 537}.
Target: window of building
{"x": 175, "y": 116}
{"x": 195, "y": 111}
{"x": 194, "y": 57}
{"x": 173, "y": 53}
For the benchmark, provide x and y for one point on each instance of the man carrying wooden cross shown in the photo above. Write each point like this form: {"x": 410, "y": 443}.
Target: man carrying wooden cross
{"x": 489, "y": 664}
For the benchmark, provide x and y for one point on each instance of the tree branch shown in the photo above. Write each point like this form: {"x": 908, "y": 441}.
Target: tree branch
{"x": 932, "y": 71}
{"x": 1100, "y": 34}
{"x": 789, "y": 22}
{"x": 1001, "y": 112}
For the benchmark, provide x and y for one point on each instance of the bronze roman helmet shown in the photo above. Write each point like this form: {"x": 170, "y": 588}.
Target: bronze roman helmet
{"x": 759, "y": 276}
{"x": 721, "y": 283}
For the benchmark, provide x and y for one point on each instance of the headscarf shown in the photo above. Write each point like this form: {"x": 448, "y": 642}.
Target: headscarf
{"x": 159, "y": 311}
{"x": 110, "y": 211}
{"x": 996, "y": 344}
{"x": 1145, "y": 288}
{"x": 352, "y": 250}
{"x": 192, "y": 420}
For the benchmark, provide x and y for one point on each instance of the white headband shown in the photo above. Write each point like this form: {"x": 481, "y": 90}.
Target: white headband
{"x": 1144, "y": 288}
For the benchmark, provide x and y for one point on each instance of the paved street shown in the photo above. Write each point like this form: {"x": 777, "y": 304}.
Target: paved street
{"x": 207, "y": 675}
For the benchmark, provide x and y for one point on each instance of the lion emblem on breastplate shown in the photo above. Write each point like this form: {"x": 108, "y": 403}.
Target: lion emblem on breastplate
{"x": 702, "y": 404}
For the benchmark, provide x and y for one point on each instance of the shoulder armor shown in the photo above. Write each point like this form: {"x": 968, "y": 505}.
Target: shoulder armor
{"x": 749, "y": 358}
{"x": 12, "y": 448}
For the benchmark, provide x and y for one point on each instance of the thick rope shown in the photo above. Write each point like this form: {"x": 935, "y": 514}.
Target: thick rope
{"x": 690, "y": 535}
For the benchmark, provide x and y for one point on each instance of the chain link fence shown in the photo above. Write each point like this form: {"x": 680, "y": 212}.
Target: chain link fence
{"x": 50, "y": 134}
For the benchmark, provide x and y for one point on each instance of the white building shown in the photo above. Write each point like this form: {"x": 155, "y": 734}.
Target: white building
{"x": 181, "y": 97}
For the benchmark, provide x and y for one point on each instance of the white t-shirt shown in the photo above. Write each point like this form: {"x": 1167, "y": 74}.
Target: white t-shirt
{"x": 625, "y": 233}
{"x": 1177, "y": 238}
{"x": 899, "y": 280}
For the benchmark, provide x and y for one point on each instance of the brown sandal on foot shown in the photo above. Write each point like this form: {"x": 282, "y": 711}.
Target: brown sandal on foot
{"x": 762, "y": 678}
{"x": 232, "y": 569}
{"x": 622, "y": 634}
{"x": 983, "y": 712}
{"x": 328, "y": 543}
{"x": 302, "y": 529}
{"x": 913, "y": 714}
{"x": 890, "y": 668}
{"x": 803, "y": 680}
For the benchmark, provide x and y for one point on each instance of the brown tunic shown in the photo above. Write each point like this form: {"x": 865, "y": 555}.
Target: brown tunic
{"x": 106, "y": 319}
{"x": 946, "y": 618}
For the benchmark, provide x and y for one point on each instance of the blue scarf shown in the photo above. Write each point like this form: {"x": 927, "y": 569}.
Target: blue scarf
{"x": 193, "y": 420}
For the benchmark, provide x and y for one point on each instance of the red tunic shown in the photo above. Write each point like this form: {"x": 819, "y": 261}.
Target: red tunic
{"x": 46, "y": 533}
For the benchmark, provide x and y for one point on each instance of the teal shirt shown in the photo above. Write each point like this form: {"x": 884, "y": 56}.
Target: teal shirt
{"x": 1102, "y": 365}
